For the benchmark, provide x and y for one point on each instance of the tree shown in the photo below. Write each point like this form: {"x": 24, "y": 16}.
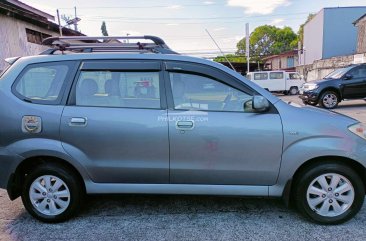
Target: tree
{"x": 268, "y": 40}
{"x": 104, "y": 29}
{"x": 231, "y": 57}
{"x": 300, "y": 33}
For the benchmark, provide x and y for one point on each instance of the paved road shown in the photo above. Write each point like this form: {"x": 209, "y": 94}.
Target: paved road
{"x": 133, "y": 217}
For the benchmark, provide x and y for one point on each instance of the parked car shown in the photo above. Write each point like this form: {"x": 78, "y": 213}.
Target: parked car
{"x": 277, "y": 81}
{"x": 344, "y": 83}
{"x": 74, "y": 124}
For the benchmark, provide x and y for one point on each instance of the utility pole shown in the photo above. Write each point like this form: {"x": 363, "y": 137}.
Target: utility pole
{"x": 59, "y": 22}
{"x": 247, "y": 45}
{"x": 76, "y": 23}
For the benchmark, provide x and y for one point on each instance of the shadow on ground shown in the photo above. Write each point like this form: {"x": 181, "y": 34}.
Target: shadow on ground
{"x": 141, "y": 217}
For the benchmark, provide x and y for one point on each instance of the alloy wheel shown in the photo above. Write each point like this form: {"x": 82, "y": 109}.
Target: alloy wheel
{"x": 330, "y": 195}
{"x": 49, "y": 195}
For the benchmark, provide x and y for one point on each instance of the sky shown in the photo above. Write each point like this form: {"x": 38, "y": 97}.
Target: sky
{"x": 182, "y": 23}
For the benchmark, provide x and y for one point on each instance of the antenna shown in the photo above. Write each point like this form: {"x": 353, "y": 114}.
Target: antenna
{"x": 220, "y": 50}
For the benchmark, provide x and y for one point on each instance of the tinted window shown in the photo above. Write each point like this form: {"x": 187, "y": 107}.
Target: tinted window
{"x": 118, "y": 89}
{"x": 276, "y": 75}
{"x": 196, "y": 92}
{"x": 260, "y": 76}
{"x": 43, "y": 83}
{"x": 359, "y": 72}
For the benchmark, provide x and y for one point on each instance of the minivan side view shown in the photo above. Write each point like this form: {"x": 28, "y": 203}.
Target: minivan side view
{"x": 277, "y": 81}
{"x": 92, "y": 116}
{"x": 341, "y": 84}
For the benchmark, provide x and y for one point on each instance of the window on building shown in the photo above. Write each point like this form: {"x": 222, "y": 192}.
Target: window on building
{"x": 35, "y": 36}
{"x": 290, "y": 62}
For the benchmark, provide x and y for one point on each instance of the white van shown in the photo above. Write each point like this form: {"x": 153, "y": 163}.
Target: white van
{"x": 277, "y": 81}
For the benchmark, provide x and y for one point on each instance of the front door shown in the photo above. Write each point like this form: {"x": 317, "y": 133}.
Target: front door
{"x": 215, "y": 135}
{"x": 116, "y": 124}
{"x": 356, "y": 86}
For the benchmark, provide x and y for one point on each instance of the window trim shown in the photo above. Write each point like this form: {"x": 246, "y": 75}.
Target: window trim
{"x": 104, "y": 66}
{"x": 209, "y": 72}
{"x": 61, "y": 99}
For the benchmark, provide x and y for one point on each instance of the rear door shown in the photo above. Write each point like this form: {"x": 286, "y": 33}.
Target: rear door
{"x": 356, "y": 86}
{"x": 115, "y": 122}
{"x": 215, "y": 136}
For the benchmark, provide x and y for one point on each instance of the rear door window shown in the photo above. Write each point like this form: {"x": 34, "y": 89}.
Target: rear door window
{"x": 43, "y": 83}
{"x": 276, "y": 75}
{"x": 118, "y": 89}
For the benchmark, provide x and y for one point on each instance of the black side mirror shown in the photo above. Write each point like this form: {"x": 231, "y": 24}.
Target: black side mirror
{"x": 347, "y": 76}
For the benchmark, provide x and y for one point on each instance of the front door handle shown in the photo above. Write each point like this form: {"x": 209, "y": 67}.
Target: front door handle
{"x": 184, "y": 125}
{"x": 77, "y": 121}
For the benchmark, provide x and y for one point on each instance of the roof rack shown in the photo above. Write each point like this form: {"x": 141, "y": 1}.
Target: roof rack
{"x": 87, "y": 44}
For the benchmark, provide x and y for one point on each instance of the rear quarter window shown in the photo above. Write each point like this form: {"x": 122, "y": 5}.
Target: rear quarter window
{"x": 43, "y": 83}
{"x": 260, "y": 76}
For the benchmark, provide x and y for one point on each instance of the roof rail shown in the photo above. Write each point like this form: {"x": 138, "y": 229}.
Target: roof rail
{"x": 106, "y": 44}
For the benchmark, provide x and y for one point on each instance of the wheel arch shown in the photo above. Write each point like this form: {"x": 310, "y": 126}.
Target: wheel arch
{"x": 291, "y": 184}
{"x": 28, "y": 164}
{"x": 331, "y": 88}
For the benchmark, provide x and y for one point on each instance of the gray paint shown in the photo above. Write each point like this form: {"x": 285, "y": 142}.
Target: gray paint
{"x": 259, "y": 158}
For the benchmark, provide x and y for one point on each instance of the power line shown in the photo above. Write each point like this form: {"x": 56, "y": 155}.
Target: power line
{"x": 151, "y": 6}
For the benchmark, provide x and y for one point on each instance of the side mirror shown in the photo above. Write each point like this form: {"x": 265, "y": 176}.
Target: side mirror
{"x": 259, "y": 103}
{"x": 347, "y": 76}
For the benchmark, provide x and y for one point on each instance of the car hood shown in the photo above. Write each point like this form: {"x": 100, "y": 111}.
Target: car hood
{"x": 322, "y": 81}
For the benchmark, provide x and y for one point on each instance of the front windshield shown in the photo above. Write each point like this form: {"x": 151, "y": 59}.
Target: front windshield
{"x": 338, "y": 73}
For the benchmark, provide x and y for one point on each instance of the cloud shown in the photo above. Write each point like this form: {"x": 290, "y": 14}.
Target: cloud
{"x": 276, "y": 21}
{"x": 208, "y": 2}
{"x": 258, "y": 6}
{"x": 175, "y": 7}
{"x": 171, "y": 24}
{"x": 219, "y": 29}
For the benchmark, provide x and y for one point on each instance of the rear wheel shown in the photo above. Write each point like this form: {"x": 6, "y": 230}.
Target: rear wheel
{"x": 293, "y": 91}
{"x": 329, "y": 193}
{"x": 329, "y": 100}
{"x": 52, "y": 193}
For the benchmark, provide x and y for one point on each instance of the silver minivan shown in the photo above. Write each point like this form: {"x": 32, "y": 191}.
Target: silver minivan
{"x": 97, "y": 115}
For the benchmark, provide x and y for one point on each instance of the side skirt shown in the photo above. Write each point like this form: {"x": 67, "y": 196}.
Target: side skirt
{"x": 184, "y": 189}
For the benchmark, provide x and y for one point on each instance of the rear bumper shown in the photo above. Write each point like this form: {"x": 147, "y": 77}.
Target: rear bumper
{"x": 8, "y": 165}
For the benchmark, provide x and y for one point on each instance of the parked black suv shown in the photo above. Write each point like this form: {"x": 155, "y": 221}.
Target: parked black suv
{"x": 344, "y": 83}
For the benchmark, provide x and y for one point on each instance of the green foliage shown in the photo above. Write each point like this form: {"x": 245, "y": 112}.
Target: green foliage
{"x": 232, "y": 58}
{"x": 104, "y": 29}
{"x": 301, "y": 29}
{"x": 268, "y": 40}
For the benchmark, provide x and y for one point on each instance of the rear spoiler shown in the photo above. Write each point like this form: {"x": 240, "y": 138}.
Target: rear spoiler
{"x": 12, "y": 60}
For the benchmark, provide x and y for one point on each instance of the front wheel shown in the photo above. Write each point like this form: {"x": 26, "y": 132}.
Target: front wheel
{"x": 329, "y": 193}
{"x": 329, "y": 100}
{"x": 52, "y": 193}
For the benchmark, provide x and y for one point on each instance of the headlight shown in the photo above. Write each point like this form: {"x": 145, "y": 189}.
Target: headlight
{"x": 358, "y": 129}
{"x": 310, "y": 86}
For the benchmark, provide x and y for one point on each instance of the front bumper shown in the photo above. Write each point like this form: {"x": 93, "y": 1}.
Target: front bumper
{"x": 312, "y": 96}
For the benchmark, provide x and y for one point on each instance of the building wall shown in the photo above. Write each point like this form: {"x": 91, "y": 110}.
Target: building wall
{"x": 313, "y": 39}
{"x": 361, "y": 37}
{"x": 13, "y": 39}
{"x": 320, "y": 68}
{"x": 281, "y": 62}
{"x": 340, "y": 35}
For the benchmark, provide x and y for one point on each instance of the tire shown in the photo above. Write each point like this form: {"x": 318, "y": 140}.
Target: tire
{"x": 330, "y": 209}
{"x": 329, "y": 99}
{"x": 293, "y": 91}
{"x": 52, "y": 206}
